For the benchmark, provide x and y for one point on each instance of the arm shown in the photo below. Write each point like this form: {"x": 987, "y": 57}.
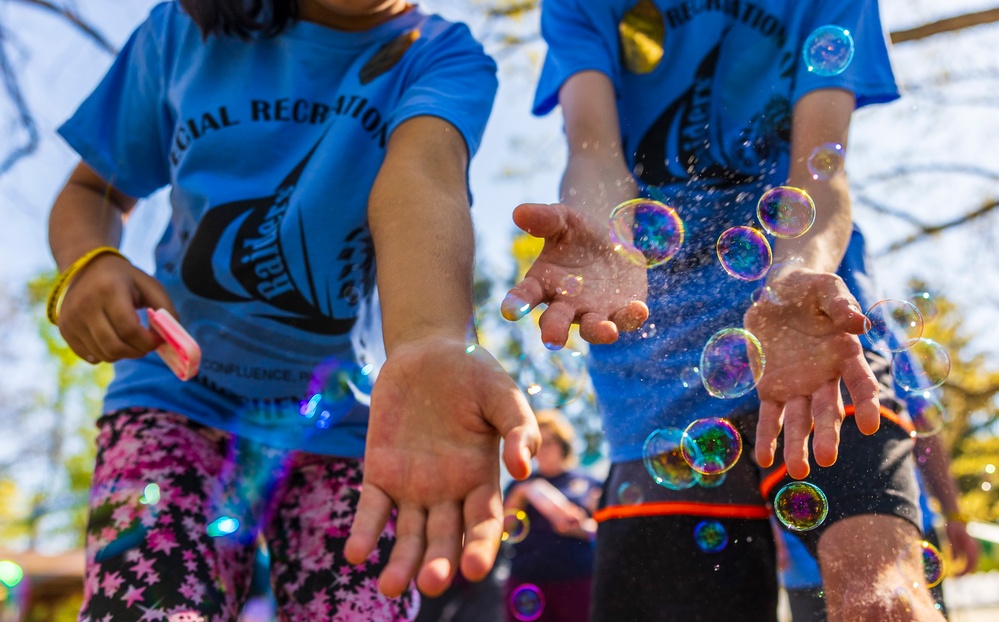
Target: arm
{"x": 812, "y": 317}
{"x": 438, "y": 412}
{"x": 934, "y": 465}
{"x": 98, "y": 318}
{"x": 576, "y": 233}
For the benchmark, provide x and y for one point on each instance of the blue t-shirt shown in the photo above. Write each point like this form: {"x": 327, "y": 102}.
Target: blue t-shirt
{"x": 270, "y": 147}
{"x": 705, "y": 92}
{"x": 546, "y": 555}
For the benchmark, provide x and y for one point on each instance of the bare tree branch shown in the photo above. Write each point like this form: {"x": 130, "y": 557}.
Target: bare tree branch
{"x": 24, "y": 116}
{"x": 930, "y": 230}
{"x": 949, "y": 24}
{"x": 82, "y": 25}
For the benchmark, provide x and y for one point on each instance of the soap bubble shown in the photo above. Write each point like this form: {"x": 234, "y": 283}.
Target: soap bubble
{"x": 664, "y": 461}
{"x": 527, "y": 602}
{"x": 828, "y": 51}
{"x": 711, "y": 446}
{"x": 710, "y": 536}
{"x": 893, "y": 325}
{"x": 648, "y": 233}
{"x": 786, "y": 212}
{"x": 826, "y": 161}
{"x": 923, "y": 366}
{"x": 732, "y": 363}
{"x": 801, "y": 506}
{"x": 744, "y": 253}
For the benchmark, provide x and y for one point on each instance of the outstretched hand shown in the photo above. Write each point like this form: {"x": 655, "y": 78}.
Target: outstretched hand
{"x": 807, "y": 326}
{"x": 438, "y": 412}
{"x": 610, "y": 297}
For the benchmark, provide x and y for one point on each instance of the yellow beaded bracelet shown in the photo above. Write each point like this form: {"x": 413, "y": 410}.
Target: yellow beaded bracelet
{"x": 54, "y": 303}
{"x": 958, "y": 517}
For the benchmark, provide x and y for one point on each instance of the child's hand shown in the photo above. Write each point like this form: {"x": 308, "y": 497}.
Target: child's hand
{"x": 807, "y": 329}
{"x": 438, "y": 412}
{"x": 98, "y": 318}
{"x": 610, "y": 296}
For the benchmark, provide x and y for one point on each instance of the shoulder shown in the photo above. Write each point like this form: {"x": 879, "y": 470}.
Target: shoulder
{"x": 440, "y": 37}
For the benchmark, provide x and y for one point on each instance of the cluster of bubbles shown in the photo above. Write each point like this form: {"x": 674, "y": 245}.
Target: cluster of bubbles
{"x": 679, "y": 459}
{"x": 527, "y": 602}
{"x": 828, "y": 50}
{"x": 918, "y": 365}
{"x": 801, "y": 506}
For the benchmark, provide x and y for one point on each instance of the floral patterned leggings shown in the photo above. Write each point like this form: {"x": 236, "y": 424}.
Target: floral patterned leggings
{"x": 176, "y": 511}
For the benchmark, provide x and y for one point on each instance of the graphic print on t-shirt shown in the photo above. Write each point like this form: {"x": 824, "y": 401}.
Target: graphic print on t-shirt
{"x": 246, "y": 236}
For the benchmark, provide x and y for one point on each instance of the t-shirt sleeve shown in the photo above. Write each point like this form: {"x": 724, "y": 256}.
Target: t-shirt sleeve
{"x": 455, "y": 81}
{"x": 869, "y": 75}
{"x": 577, "y": 41}
{"x": 122, "y": 129}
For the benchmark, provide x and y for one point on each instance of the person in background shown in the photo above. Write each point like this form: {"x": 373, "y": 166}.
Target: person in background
{"x": 556, "y": 552}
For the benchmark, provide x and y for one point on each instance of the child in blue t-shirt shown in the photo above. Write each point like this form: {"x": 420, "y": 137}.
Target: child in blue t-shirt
{"x": 706, "y": 105}
{"x": 313, "y": 148}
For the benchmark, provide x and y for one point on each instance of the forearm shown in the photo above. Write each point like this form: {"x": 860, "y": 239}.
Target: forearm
{"x": 596, "y": 178}
{"x": 935, "y": 467}
{"x": 423, "y": 237}
{"x": 86, "y": 214}
{"x": 820, "y": 117}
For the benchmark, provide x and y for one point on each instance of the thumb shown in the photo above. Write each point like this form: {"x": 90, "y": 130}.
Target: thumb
{"x": 540, "y": 219}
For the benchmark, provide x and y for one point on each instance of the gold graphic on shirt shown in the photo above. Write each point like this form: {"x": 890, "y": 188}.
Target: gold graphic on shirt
{"x": 642, "y": 31}
{"x": 387, "y": 57}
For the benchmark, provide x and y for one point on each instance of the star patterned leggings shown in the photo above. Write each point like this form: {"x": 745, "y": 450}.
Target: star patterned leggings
{"x": 177, "y": 510}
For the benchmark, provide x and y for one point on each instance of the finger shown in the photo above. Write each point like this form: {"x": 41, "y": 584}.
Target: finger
{"x": 130, "y": 331}
{"x": 104, "y": 341}
{"x": 597, "y": 329}
{"x": 523, "y": 297}
{"x": 555, "y": 323}
{"x": 836, "y": 301}
{"x": 541, "y": 220}
{"x": 444, "y": 529}
{"x": 410, "y": 544}
{"x": 373, "y": 510}
{"x": 828, "y": 414}
{"x": 513, "y": 418}
{"x": 797, "y": 427}
{"x": 863, "y": 389}
{"x": 631, "y": 317}
{"x": 483, "y": 514}
{"x": 767, "y": 430}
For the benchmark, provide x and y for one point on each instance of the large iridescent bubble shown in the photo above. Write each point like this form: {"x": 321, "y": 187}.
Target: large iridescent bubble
{"x": 801, "y": 506}
{"x": 732, "y": 363}
{"x": 647, "y": 232}
{"x": 922, "y": 366}
{"x": 786, "y": 212}
{"x": 744, "y": 253}
{"x": 711, "y": 446}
